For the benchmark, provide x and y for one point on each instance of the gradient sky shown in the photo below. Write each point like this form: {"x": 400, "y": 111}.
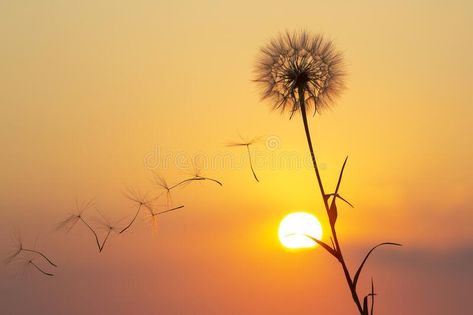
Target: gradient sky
{"x": 97, "y": 94}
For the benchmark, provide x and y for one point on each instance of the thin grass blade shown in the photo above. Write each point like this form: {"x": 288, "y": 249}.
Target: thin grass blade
{"x": 358, "y": 272}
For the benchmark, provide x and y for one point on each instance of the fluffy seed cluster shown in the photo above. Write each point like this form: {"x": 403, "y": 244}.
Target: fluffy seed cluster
{"x": 300, "y": 64}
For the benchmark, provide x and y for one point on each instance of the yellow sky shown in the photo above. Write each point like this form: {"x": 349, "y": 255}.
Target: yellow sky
{"x": 92, "y": 90}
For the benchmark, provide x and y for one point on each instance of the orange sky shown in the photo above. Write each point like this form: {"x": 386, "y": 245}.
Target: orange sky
{"x": 95, "y": 95}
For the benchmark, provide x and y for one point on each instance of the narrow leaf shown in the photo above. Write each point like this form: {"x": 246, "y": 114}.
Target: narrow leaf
{"x": 372, "y": 297}
{"x": 340, "y": 176}
{"x": 343, "y": 199}
{"x": 357, "y": 275}
{"x": 327, "y": 197}
{"x": 365, "y": 306}
{"x": 333, "y": 213}
{"x": 325, "y": 246}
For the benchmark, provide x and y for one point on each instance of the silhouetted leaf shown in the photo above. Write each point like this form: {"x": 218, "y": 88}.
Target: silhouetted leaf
{"x": 357, "y": 275}
{"x": 340, "y": 176}
{"x": 325, "y": 246}
{"x": 346, "y": 201}
{"x": 327, "y": 196}
{"x": 365, "y": 306}
{"x": 372, "y": 294}
{"x": 333, "y": 213}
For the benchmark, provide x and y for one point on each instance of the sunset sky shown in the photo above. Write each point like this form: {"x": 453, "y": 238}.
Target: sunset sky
{"x": 96, "y": 95}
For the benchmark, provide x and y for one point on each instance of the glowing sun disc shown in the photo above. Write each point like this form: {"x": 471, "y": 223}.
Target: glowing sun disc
{"x": 294, "y": 228}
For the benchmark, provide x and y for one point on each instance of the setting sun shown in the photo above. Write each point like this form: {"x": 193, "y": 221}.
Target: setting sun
{"x": 294, "y": 228}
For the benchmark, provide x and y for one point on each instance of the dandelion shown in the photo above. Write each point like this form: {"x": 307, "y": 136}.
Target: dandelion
{"x": 299, "y": 72}
{"x": 246, "y": 143}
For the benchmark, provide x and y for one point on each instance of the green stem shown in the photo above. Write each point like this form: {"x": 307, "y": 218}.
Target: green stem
{"x": 322, "y": 191}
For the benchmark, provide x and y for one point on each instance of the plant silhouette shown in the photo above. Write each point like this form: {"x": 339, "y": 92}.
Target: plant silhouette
{"x": 246, "y": 143}
{"x": 299, "y": 71}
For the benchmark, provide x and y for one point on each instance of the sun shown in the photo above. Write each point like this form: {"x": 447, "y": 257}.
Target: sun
{"x": 295, "y": 226}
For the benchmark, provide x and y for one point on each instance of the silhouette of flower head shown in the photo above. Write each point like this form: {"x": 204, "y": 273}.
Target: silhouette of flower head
{"x": 300, "y": 65}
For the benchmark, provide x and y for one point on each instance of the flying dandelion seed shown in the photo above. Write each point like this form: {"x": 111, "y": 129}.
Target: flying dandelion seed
{"x": 19, "y": 248}
{"x": 246, "y": 143}
{"x": 152, "y": 215}
{"x": 29, "y": 262}
{"x": 105, "y": 224}
{"x": 197, "y": 176}
{"x": 77, "y": 216}
{"x": 162, "y": 183}
{"x": 141, "y": 199}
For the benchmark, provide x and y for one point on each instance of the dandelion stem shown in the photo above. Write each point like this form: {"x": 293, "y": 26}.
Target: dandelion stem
{"x": 355, "y": 297}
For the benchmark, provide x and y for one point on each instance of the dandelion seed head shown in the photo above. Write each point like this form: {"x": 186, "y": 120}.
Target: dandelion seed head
{"x": 297, "y": 62}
